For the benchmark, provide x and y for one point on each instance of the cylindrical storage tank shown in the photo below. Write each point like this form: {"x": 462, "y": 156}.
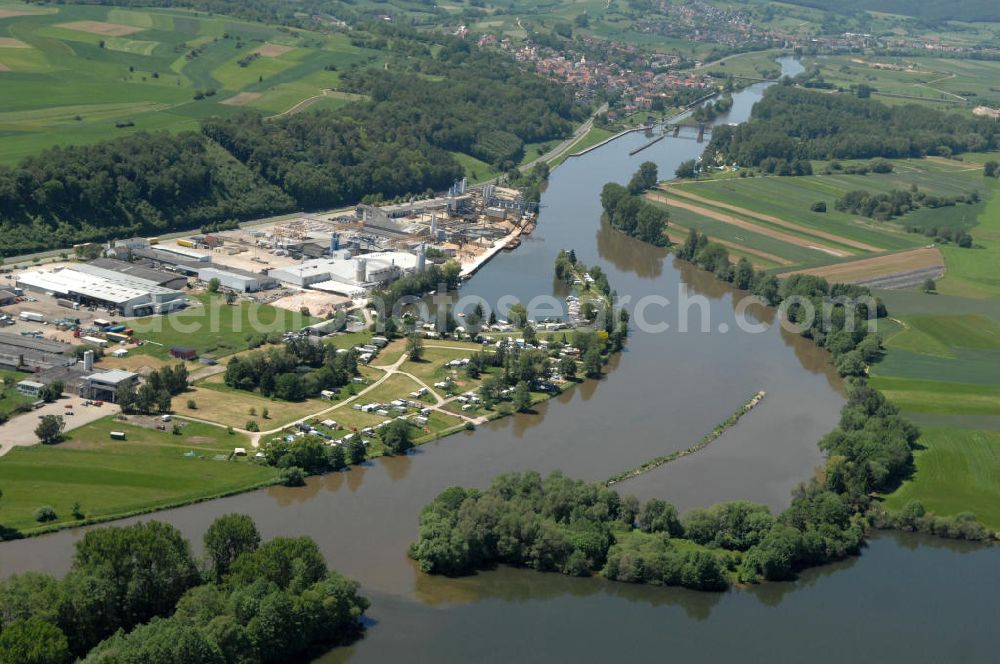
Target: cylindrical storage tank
{"x": 360, "y": 270}
{"x": 88, "y": 360}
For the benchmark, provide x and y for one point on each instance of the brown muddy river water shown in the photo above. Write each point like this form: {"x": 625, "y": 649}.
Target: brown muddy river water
{"x": 905, "y": 599}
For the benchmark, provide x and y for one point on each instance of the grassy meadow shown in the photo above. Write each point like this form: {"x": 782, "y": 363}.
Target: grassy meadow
{"x": 212, "y": 326}
{"x": 110, "y": 478}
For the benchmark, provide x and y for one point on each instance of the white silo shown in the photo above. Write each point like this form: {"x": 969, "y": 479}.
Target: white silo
{"x": 88, "y": 360}
{"x": 360, "y": 270}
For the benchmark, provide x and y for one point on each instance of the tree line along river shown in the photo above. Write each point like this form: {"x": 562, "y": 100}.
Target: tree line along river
{"x": 906, "y": 598}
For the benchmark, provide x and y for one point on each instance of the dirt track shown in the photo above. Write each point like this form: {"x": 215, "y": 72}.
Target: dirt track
{"x": 879, "y": 267}
{"x": 777, "y": 221}
{"x": 678, "y": 238}
{"x": 749, "y": 226}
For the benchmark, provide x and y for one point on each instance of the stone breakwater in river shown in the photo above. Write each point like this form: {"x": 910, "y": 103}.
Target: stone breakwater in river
{"x": 700, "y": 445}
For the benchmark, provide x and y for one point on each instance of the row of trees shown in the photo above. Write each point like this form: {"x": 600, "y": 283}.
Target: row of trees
{"x": 792, "y": 124}
{"x": 275, "y": 371}
{"x": 884, "y": 206}
{"x": 137, "y": 594}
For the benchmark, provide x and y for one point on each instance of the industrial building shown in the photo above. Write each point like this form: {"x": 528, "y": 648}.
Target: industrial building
{"x": 350, "y": 275}
{"x": 30, "y": 388}
{"x": 25, "y": 353}
{"x": 104, "y": 386}
{"x": 184, "y": 253}
{"x": 93, "y": 285}
{"x": 158, "y": 277}
{"x": 238, "y": 280}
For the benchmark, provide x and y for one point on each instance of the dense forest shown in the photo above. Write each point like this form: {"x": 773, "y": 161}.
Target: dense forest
{"x": 396, "y": 142}
{"x": 137, "y": 594}
{"x": 792, "y": 124}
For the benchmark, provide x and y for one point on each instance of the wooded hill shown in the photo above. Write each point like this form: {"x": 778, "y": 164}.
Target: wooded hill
{"x": 792, "y": 124}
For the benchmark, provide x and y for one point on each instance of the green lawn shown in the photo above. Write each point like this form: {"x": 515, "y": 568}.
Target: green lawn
{"x": 108, "y": 478}
{"x": 958, "y": 472}
{"x": 213, "y": 327}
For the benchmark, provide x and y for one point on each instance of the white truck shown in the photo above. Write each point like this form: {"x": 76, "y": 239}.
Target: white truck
{"x": 32, "y": 316}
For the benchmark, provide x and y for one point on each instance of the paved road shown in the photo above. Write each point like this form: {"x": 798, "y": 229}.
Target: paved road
{"x": 19, "y": 431}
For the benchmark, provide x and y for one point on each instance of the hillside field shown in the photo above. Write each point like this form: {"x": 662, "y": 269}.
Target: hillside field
{"x": 83, "y": 74}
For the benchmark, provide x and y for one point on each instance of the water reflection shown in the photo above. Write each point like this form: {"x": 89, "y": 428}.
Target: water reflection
{"x": 627, "y": 254}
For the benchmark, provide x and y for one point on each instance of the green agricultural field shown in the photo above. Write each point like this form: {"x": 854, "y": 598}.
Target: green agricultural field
{"x": 789, "y": 200}
{"x": 212, "y": 326}
{"x": 937, "y": 81}
{"x": 959, "y": 471}
{"x": 973, "y": 272}
{"x": 108, "y": 478}
{"x": 80, "y": 74}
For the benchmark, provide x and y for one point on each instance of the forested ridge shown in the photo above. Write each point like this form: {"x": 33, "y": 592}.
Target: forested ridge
{"x": 398, "y": 141}
{"x": 395, "y": 143}
{"x": 790, "y": 124}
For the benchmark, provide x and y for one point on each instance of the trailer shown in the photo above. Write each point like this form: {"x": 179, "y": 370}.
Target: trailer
{"x": 32, "y": 316}
{"x": 69, "y": 304}
{"x": 117, "y": 435}
{"x": 116, "y": 336}
{"x": 95, "y": 341}
{"x": 115, "y": 328}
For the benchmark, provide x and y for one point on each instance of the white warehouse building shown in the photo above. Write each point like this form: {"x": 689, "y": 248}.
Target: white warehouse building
{"x": 88, "y": 284}
{"x": 349, "y": 276}
{"x": 238, "y": 280}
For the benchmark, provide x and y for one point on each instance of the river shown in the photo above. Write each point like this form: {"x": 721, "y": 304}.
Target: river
{"x": 662, "y": 394}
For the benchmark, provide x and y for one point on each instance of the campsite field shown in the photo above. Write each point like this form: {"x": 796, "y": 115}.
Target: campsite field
{"x": 140, "y": 69}
{"x": 109, "y": 478}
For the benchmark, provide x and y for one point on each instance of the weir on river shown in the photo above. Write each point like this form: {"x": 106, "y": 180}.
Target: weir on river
{"x": 666, "y": 390}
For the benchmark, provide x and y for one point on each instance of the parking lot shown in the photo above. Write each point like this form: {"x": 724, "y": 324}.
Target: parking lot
{"x": 20, "y": 430}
